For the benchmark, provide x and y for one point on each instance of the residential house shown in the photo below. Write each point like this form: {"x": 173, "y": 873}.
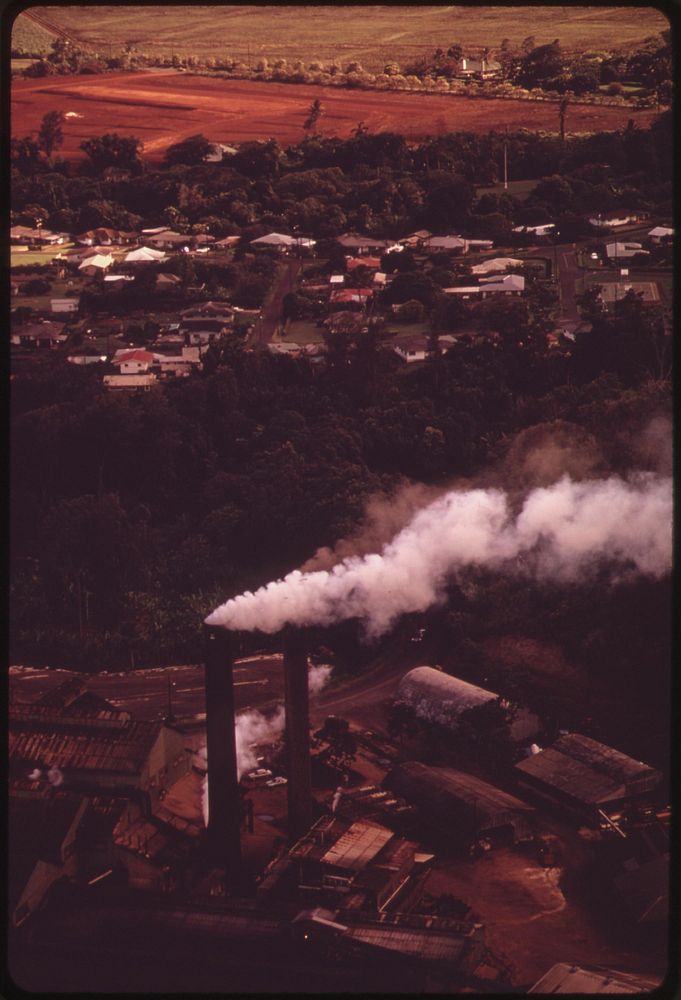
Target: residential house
{"x": 165, "y": 281}
{"x": 477, "y": 245}
{"x": 167, "y": 240}
{"x": 620, "y": 251}
{"x": 414, "y": 240}
{"x": 509, "y": 284}
{"x": 96, "y": 264}
{"x": 226, "y": 243}
{"x": 411, "y": 349}
{"x": 480, "y": 69}
{"x": 145, "y": 255}
{"x": 106, "y": 237}
{"x": 43, "y": 334}
{"x": 496, "y": 265}
{"x": 69, "y": 306}
{"x": 202, "y": 324}
{"x": 116, "y": 281}
{"x": 660, "y": 234}
{"x": 282, "y": 242}
{"x": 373, "y": 263}
{"x": 79, "y": 254}
{"x": 179, "y": 365}
{"x": 336, "y": 280}
{"x": 133, "y": 362}
{"x": 26, "y": 236}
{"x": 444, "y": 244}
{"x": 543, "y": 229}
{"x": 613, "y": 220}
{"x": 360, "y": 244}
{"x": 592, "y": 979}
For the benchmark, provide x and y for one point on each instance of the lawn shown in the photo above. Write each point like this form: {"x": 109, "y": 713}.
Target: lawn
{"x": 20, "y": 257}
{"x": 303, "y": 331}
{"x": 519, "y": 189}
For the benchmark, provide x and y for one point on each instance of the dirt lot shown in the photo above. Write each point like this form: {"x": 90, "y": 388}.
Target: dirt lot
{"x": 162, "y": 108}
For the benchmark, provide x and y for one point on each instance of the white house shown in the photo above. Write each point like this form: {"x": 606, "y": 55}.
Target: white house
{"x": 145, "y": 381}
{"x": 98, "y": 262}
{"x": 509, "y": 284}
{"x": 145, "y": 255}
{"x": 616, "y": 251}
{"x": 612, "y": 221}
{"x": 133, "y": 362}
{"x": 64, "y": 305}
{"x": 282, "y": 242}
{"x": 496, "y": 264}
{"x": 483, "y": 68}
{"x": 542, "y": 230}
{"x": 660, "y": 233}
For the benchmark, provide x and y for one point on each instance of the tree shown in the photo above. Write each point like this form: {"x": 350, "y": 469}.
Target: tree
{"x": 455, "y": 52}
{"x": 541, "y": 65}
{"x": 562, "y": 108}
{"x": 191, "y": 151}
{"x": 314, "y": 113}
{"x": 113, "y": 150}
{"x": 50, "y": 133}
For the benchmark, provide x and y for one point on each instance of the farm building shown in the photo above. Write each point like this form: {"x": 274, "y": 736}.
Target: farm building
{"x": 584, "y": 775}
{"x": 564, "y": 978}
{"x": 439, "y": 697}
{"x": 460, "y": 804}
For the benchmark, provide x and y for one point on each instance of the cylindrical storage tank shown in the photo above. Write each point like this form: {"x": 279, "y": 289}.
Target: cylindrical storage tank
{"x": 224, "y": 801}
{"x": 438, "y": 697}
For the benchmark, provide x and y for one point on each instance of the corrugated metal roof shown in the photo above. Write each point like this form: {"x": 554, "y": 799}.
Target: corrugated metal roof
{"x": 438, "y": 696}
{"x": 123, "y": 751}
{"x": 445, "y": 790}
{"x": 564, "y": 978}
{"x": 587, "y": 770}
{"x": 357, "y": 846}
{"x": 423, "y": 944}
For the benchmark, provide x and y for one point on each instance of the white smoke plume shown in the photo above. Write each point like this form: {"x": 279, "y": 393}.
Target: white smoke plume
{"x": 564, "y": 532}
{"x": 253, "y": 729}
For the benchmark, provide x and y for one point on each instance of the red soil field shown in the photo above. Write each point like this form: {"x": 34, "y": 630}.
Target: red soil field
{"x": 160, "y": 108}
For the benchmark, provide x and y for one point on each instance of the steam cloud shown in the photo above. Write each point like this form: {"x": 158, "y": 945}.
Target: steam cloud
{"x": 252, "y": 729}
{"x": 565, "y": 532}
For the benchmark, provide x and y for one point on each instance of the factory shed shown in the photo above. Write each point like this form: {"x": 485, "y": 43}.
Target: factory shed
{"x": 585, "y": 775}
{"x": 564, "y": 978}
{"x": 460, "y": 803}
{"x": 440, "y": 697}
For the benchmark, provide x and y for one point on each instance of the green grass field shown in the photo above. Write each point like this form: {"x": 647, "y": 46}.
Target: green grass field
{"x": 519, "y": 189}
{"x": 372, "y": 35}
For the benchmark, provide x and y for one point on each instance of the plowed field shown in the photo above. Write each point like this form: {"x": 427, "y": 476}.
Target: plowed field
{"x": 161, "y": 108}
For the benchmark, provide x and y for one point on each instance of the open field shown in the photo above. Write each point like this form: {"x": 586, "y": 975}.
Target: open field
{"x": 372, "y": 35}
{"x": 162, "y": 108}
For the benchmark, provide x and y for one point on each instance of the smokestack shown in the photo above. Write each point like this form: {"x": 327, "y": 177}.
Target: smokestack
{"x": 299, "y": 788}
{"x": 224, "y": 803}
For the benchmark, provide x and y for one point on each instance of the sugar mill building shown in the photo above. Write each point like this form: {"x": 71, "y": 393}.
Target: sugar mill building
{"x": 460, "y": 804}
{"x": 586, "y": 776}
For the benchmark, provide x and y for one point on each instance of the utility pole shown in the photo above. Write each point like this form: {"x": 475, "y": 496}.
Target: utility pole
{"x": 506, "y": 160}
{"x": 171, "y": 684}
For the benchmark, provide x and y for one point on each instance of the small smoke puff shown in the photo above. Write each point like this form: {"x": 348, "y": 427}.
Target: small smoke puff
{"x": 318, "y": 677}
{"x": 563, "y": 532}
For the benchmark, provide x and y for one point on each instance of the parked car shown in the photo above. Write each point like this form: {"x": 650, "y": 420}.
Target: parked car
{"x": 260, "y": 774}
{"x": 274, "y": 782}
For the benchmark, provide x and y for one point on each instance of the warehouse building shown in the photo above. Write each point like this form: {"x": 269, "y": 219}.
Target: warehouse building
{"x": 461, "y": 805}
{"x": 564, "y": 978}
{"x": 441, "y": 698}
{"x": 586, "y": 776}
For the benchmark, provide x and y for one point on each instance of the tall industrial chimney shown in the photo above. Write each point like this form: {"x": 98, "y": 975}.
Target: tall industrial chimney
{"x": 224, "y": 802}
{"x": 299, "y": 788}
